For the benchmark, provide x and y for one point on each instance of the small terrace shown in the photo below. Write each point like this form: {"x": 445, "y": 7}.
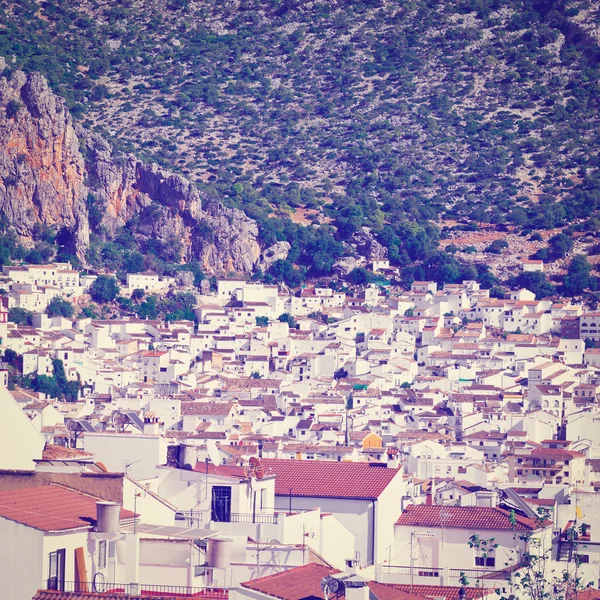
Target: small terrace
{"x": 100, "y": 586}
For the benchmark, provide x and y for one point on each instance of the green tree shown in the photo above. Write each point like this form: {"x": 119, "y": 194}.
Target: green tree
{"x": 261, "y": 321}
{"x": 287, "y": 318}
{"x": 577, "y": 278}
{"x": 284, "y": 270}
{"x": 536, "y": 282}
{"x": 134, "y": 263}
{"x": 531, "y": 576}
{"x": 560, "y": 245}
{"x": 59, "y": 307}
{"x": 12, "y": 108}
{"x": 358, "y": 276}
{"x": 104, "y": 289}
{"x": 497, "y": 246}
{"x": 20, "y": 316}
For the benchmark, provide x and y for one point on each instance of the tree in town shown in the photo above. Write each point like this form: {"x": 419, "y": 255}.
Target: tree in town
{"x": 577, "y": 278}
{"x": 104, "y": 289}
{"x": 20, "y": 316}
{"x": 59, "y": 307}
{"x": 531, "y": 575}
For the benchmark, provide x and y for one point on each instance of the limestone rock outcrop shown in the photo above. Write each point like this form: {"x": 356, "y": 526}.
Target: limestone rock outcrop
{"x": 45, "y": 179}
{"x": 278, "y": 251}
{"x": 41, "y": 168}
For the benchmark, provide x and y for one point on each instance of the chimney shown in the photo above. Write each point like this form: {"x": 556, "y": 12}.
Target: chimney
{"x": 356, "y": 588}
{"x": 352, "y": 565}
{"x": 172, "y": 456}
{"x": 108, "y": 516}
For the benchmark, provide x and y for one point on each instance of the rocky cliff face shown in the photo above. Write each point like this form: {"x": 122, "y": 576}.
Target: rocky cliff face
{"x": 41, "y": 168}
{"x": 42, "y": 181}
{"x": 166, "y": 207}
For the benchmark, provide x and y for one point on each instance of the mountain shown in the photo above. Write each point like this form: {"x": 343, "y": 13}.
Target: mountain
{"x": 56, "y": 174}
{"x": 417, "y": 119}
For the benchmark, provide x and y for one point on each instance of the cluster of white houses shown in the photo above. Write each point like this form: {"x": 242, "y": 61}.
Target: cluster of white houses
{"x": 367, "y": 444}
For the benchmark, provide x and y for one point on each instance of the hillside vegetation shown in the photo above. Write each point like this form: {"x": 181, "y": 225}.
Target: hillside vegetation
{"x": 411, "y": 117}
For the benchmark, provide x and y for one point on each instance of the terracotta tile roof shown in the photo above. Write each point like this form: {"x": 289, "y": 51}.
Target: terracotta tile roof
{"x": 463, "y": 517}
{"x": 50, "y": 508}
{"x": 54, "y": 452}
{"x": 220, "y": 470}
{"x": 295, "y": 584}
{"x": 440, "y": 591}
{"x": 329, "y": 479}
{"x": 54, "y": 595}
{"x": 206, "y": 408}
{"x": 304, "y": 583}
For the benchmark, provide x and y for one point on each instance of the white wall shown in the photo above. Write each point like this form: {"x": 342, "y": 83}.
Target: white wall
{"x": 21, "y": 560}
{"x": 69, "y": 541}
{"x": 20, "y": 442}
{"x": 356, "y": 515}
{"x": 142, "y": 452}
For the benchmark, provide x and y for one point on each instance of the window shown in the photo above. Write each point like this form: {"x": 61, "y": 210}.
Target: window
{"x": 485, "y": 561}
{"x": 56, "y": 570}
{"x": 112, "y": 549}
{"x": 429, "y": 573}
{"x": 102, "y": 554}
{"x": 582, "y": 558}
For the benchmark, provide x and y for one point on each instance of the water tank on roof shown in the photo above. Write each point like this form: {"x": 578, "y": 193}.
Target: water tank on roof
{"x": 108, "y": 515}
{"x": 218, "y": 553}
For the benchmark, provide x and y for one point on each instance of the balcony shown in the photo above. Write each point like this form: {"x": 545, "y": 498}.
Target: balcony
{"x": 102, "y": 587}
{"x": 418, "y": 575}
{"x": 197, "y": 516}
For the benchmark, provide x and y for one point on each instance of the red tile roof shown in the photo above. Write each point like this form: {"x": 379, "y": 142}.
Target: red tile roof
{"x": 54, "y": 595}
{"x": 463, "y": 517}
{"x": 206, "y": 408}
{"x": 329, "y": 479}
{"x": 50, "y": 508}
{"x": 220, "y": 470}
{"x": 304, "y": 583}
{"x": 54, "y": 452}
{"x": 440, "y": 591}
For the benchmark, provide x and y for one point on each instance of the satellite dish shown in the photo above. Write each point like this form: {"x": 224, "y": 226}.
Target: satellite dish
{"x": 100, "y": 582}
{"x": 256, "y": 467}
{"x": 330, "y": 585}
{"x": 213, "y": 452}
{"x": 102, "y": 467}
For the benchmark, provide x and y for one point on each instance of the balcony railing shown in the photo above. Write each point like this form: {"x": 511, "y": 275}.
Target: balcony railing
{"x": 101, "y": 587}
{"x": 198, "y": 516}
{"x": 439, "y": 572}
{"x": 416, "y": 571}
{"x": 262, "y": 518}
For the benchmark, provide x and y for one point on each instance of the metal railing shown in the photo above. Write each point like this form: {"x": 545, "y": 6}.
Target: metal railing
{"x": 438, "y": 572}
{"x": 189, "y": 515}
{"x": 474, "y": 574}
{"x": 416, "y": 571}
{"x": 101, "y": 586}
{"x": 198, "y": 516}
{"x": 262, "y": 518}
